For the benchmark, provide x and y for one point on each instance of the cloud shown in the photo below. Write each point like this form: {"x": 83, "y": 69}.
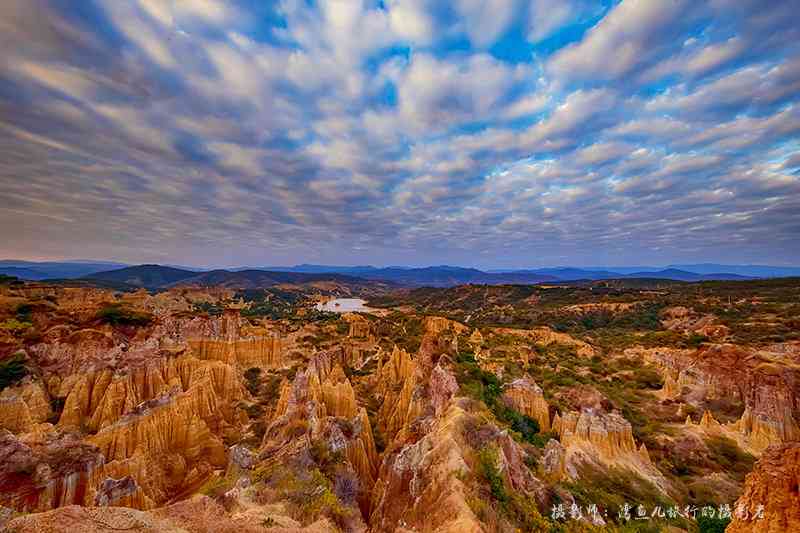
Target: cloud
{"x": 547, "y": 16}
{"x": 485, "y": 20}
{"x": 631, "y": 36}
{"x": 757, "y": 87}
{"x": 403, "y": 131}
{"x": 411, "y": 20}
{"x": 434, "y": 93}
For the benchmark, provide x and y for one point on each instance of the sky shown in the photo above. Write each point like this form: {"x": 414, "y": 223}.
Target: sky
{"x": 486, "y": 133}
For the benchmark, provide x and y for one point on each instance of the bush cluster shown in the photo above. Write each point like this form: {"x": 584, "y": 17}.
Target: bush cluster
{"x": 485, "y": 387}
{"x": 12, "y": 370}
{"x": 118, "y": 315}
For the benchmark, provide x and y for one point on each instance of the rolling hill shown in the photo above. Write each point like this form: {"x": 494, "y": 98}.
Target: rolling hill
{"x": 147, "y": 276}
{"x": 162, "y": 277}
{"x": 39, "y": 270}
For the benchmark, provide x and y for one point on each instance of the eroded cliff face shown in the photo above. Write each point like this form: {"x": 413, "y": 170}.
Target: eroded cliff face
{"x": 360, "y": 327}
{"x": 97, "y": 399}
{"x": 317, "y": 413}
{"x": 431, "y": 481}
{"x": 768, "y": 390}
{"x": 23, "y": 406}
{"x": 435, "y": 325}
{"x": 396, "y": 382}
{"x": 604, "y": 438}
{"x": 770, "y": 502}
{"x": 170, "y": 442}
{"x": 545, "y": 336}
{"x": 45, "y": 470}
{"x": 526, "y": 397}
{"x": 263, "y": 352}
{"x": 420, "y": 486}
{"x": 158, "y": 426}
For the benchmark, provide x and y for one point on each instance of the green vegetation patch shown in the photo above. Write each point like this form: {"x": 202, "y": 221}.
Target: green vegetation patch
{"x": 119, "y": 315}
{"x": 485, "y": 387}
{"x": 733, "y": 460}
{"x": 208, "y": 308}
{"x": 14, "y": 326}
{"x": 612, "y": 488}
{"x": 12, "y": 370}
{"x": 518, "y": 508}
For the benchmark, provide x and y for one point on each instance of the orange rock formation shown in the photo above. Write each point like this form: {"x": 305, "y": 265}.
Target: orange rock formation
{"x": 771, "y": 492}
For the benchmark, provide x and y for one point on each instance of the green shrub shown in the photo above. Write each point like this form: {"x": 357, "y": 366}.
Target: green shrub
{"x": 695, "y": 340}
{"x": 612, "y": 488}
{"x": 518, "y": 508}
{"x": 648, "y": 378}
{"x": 208, "y": 308}
{"x": 708, "y": 524}
{"x": 252, "y": 378}
{"x": 12, "y": 370}
{"x": 12, "y": 325}
{"x": 485, "y": 387}
{"x": 24, "y": 312}
{"x": 487, "y": 459}
{"x": 118, "y": 315}
{"x": 726, "y": 453}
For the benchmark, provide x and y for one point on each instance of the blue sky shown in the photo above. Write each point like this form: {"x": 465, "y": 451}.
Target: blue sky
{"x": 489, "y": 133}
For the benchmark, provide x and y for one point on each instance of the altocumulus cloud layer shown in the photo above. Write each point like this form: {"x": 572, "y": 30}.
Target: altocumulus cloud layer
{"x": 480, "y": 132}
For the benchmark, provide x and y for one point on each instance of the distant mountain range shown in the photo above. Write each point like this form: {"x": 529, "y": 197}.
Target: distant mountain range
{"x": 158, "y": 276}
{"x": 32, "y": 270}
{"x": 446, "y": 276}
{"x": 574, "y": 274}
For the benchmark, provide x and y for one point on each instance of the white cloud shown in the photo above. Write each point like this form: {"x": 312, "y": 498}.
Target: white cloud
{"x": 547, "y": 16}
{"x": 485, "y": 20}
{"x": 528, "y": 104}
{"x": 440, "y": 94}
{"x": 626, "y": 38}
{"x": 411, "y": 20}
{"x": 600, "y": 153}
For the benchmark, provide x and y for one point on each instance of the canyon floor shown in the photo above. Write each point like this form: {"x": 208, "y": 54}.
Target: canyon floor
{"x": 635, "y": 405}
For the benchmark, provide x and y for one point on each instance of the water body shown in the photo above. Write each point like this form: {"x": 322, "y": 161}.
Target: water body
{"x": 344, "y": 305}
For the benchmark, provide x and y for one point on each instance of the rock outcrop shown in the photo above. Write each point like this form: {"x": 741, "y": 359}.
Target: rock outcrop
{"x": 687, "y": 320}
{"x": 167, "y": 443}
{"x": 769, "y": 392}
{"x": 545, "y": 336}
{"x": 359, "y": 326}
{"x": 605, "y": 438}
{"x": 56, "y": 470}
{"x": 319, "y": 406}
{"x": 770, "y": 502}
{"x": 437, "y": 324}
{"x": 262, "y": 352}
{"x": 195, "y": 515}
{"x": 525, "y": 396}
{"x": 24, "y": 405}
{"x": 396, "y": 383}
{"x": 95, "y": 400}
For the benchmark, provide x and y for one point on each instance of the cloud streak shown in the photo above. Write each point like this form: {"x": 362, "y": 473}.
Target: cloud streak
{"x": 490, "y": 133}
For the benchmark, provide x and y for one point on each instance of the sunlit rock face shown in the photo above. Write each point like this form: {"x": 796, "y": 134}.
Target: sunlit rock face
{"x": 771, "y": 501}
{"x": 525, "y": 396}
{"x": 24, "y": 405}
{"x": 97, "y": 399}
{"x": 44, "y": 471}
{"x": 604, "y": 439}
{"x": 768, "y": 390}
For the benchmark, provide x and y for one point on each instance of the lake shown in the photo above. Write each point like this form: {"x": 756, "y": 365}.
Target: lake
{"x": 343, "y": 305}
